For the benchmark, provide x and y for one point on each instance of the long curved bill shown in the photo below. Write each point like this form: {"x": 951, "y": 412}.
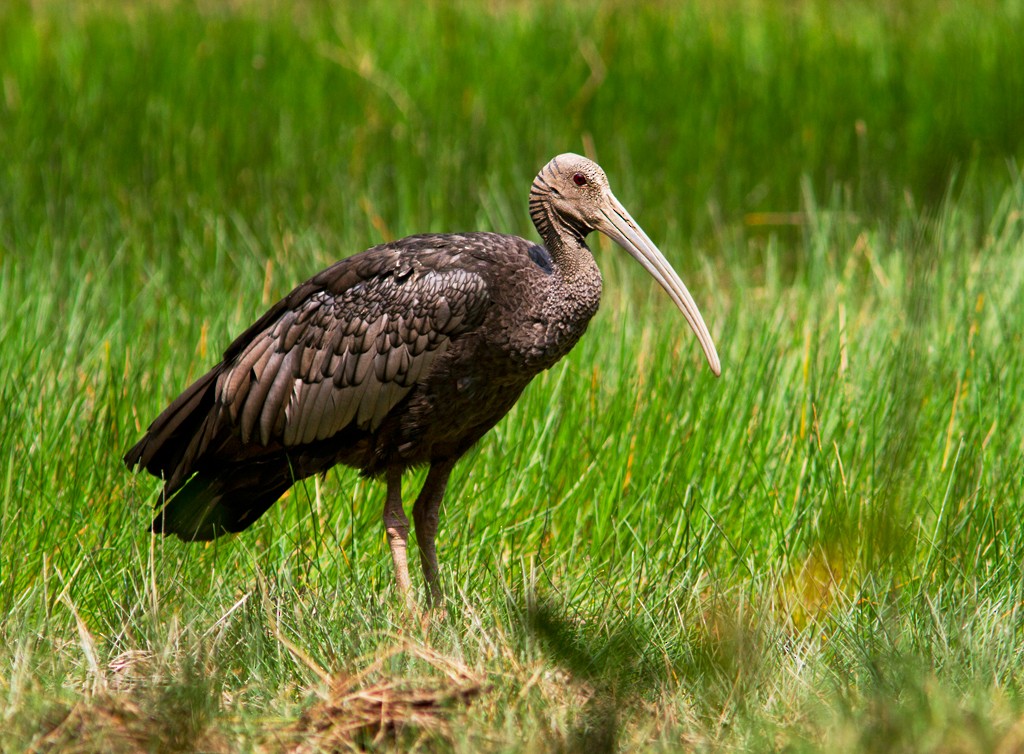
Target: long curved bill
{"x": 624, "y": 230}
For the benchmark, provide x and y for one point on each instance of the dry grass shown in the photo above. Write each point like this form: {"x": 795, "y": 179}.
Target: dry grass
{"x": 374, "y": 704}
{"x": 118, "y": 724}
{"x": 353, "y": 711}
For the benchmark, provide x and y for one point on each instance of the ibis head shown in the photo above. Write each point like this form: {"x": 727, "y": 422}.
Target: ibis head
{"x": 571, "y": 197}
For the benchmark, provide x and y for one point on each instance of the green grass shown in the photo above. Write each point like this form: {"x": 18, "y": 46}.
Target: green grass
{"x": 820, "y": 551}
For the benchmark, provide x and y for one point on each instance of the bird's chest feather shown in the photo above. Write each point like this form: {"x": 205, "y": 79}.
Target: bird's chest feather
{"x": 540, "y": 317}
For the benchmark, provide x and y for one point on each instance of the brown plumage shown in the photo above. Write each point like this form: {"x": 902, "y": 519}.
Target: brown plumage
{"x": 403, "y": 355}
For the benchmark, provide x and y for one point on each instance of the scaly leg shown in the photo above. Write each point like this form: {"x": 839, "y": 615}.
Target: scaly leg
{"x": 425, "y": 516}
{"x": 397, "y": 527}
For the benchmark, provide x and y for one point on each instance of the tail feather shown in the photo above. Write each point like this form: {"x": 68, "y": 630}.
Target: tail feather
{"x": 170, "y": 445}
{"x": 210, "y": 505}
{"x": 213, "y": 483}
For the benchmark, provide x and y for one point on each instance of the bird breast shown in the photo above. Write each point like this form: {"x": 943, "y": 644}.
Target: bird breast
{"x": 545, "y": 314}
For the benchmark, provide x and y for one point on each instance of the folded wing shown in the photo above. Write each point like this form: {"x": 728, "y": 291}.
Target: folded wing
{"x": 341, "y": 350}
{"x": 337, "y": 360}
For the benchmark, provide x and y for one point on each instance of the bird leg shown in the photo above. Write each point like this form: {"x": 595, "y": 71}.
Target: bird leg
{"x": 425, "y": 516}
{"x": 397, "y": 527}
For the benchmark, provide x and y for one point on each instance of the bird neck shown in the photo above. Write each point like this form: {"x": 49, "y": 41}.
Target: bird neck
{"x": 576, "y": 277}
{"x": 564, "y": 239}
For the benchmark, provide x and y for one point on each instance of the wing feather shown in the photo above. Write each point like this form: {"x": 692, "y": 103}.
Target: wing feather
{"x": 322, "y": 425}
{"x": 234, "y": 384}
{"x": 276, "y": 402}
{"x": 295, "y": 423}
{"x": 388, "y": 395}
{"x": 252, "y": 409}
{"x": 364, "y": 363}
{"x": 346, "y": 355}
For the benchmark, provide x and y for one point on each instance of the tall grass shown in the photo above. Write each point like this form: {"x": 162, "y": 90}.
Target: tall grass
{"x": 821, "y": 550}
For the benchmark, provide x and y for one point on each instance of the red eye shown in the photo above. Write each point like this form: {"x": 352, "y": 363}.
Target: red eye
{"x": 579, "y": 179}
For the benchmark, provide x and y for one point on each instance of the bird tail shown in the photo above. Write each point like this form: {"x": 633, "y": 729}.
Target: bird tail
{"x": 211, "y": 504}
{"x": 205, "y": 495}
{"x": 178, "y": 437}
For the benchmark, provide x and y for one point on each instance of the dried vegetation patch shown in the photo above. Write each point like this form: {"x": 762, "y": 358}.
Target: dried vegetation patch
{"x": 404, "y": 696}
{"x": 374, "y": 704}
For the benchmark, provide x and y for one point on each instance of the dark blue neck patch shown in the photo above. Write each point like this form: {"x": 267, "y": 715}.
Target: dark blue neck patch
{"x": 542, "y": 258}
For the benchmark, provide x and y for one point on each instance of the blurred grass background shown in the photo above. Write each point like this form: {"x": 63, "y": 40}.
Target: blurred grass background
{"x": 309, "y": 107}
{"x": 819, "y": 552}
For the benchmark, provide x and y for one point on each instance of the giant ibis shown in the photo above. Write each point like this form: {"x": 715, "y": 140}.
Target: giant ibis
{"x": 401, "y": 356}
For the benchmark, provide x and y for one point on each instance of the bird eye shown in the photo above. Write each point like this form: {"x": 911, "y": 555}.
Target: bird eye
{"x": 579, "y": 179}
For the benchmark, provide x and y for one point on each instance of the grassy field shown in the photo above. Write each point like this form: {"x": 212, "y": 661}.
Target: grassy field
{"x": 821, "y": 551}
